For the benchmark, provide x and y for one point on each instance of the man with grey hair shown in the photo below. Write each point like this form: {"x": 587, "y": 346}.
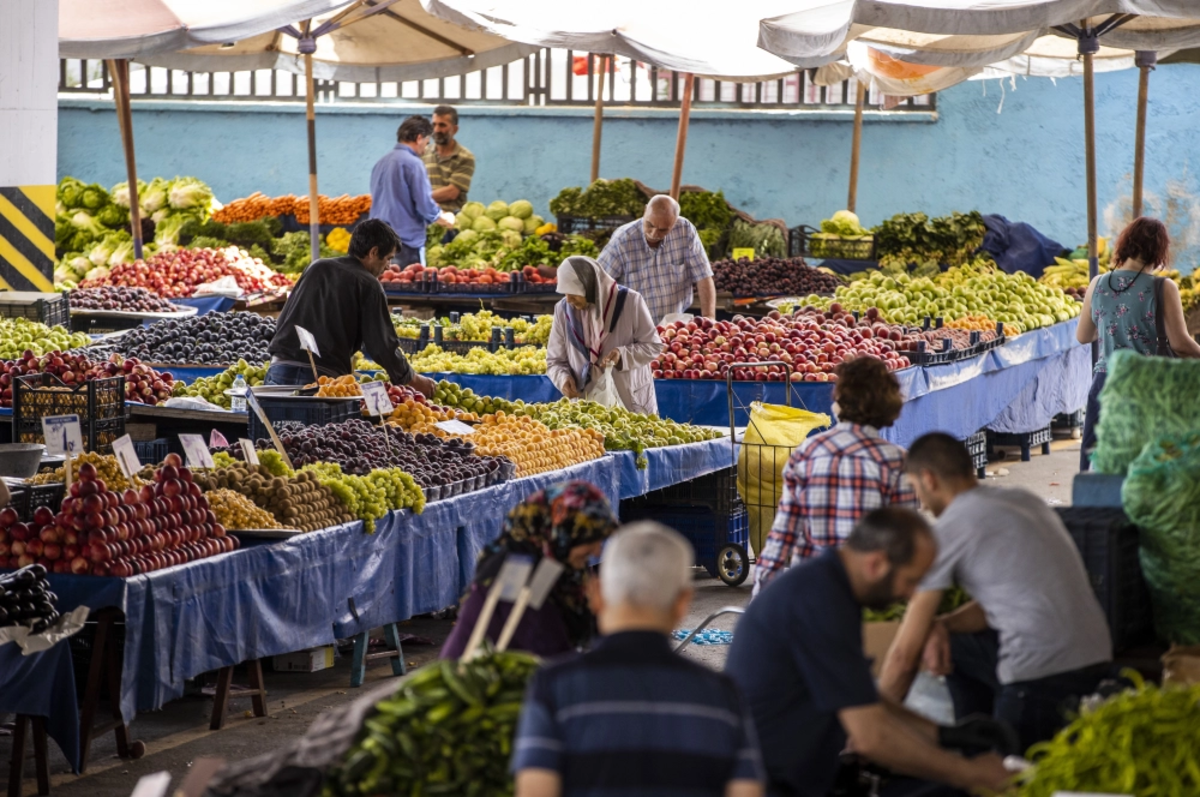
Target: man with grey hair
{"x": 631, "y": 716}
{"x": 660, "y": 256}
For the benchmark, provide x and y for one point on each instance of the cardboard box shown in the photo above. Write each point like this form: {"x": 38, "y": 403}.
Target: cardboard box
{"x": 311, "y": 660}
{"x": 877, "y": 638}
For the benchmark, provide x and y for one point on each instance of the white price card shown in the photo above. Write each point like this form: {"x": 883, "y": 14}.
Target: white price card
{"x": 544, "y": 578}
{"x": 307, "y": 341}
{"x": 127, "y": 458}
{"x": 63, "y": 435}
{"x": 455, "y": 427}
{"x": 196, "y": 451}
{"x": 512, "y": 576}
{"x": 152, "y": 785}
{"x": 248, "y": 451}
{"x": 376, "y": 396}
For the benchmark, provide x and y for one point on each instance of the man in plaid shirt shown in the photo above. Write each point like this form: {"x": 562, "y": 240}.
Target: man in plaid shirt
{"x": 660, "y": 256}
{"x": 834, "y": 478}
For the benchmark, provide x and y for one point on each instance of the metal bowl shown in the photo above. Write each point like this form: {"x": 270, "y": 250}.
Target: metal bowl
{"x": 20, "y": 460}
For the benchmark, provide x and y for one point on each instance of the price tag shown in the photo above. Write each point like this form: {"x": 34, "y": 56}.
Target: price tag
{"x": 544, "y": 578}
{"x": 217, "y": 440}
{"x": 742, "y": 251}
{"x": 512, "y": 576}
{"x": 455, "y": 427}
{"x": 376, "y": 396}
{"x": 127, "y": 458}
{"x": 248, "y": 451}
{"x": 196, "y": 451}
{"x": 252, "y": 403}
{"x": 63, "y": 435}
{"x": 307, "y": 341}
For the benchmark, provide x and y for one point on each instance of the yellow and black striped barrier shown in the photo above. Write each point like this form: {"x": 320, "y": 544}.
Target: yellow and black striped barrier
{"x": 27, "y": 237}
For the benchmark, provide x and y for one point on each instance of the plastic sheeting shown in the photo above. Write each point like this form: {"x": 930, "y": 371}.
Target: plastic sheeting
{"x": 43, "y": 685}
{"x": 672, "y": 465}
{"x": 1017, "y": 246}
{"x": 208, "y": 304}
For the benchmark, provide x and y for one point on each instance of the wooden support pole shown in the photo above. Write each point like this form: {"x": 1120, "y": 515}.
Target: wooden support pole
{"x": 856, "y": 147}
{"x": 598, "y": 120}
{"x": 119, "y": 69}
{"x": 685, "y": 112}
{"x": 314, "y": 221}
{"x": 1145, "y": 63}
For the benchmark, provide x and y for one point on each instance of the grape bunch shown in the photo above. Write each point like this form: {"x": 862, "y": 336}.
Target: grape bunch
{"x": 371, "y": 497}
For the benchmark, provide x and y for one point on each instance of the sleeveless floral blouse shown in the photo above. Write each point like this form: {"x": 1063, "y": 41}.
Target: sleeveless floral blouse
{"x": 1123, "y": 310}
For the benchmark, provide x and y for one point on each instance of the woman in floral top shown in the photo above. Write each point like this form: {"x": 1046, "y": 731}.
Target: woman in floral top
{"x": 1119, "y": 310}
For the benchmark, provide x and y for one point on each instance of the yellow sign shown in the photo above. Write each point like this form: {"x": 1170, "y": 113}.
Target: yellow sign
{"x": 740, "y": 252}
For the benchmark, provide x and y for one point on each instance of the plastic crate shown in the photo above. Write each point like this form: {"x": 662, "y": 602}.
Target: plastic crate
{"x": 977, "y": 447}
{"x": 28, "y": 498}
{"x": 1067, "y": 420}
{"x": 51, "y": 309}
{"x": 720, "y": 540}
{"x": 574, "y": 225}
{"x": 1025, "y": 440}
{"x": 99, "y": 403}
{"x": 18, "y": 499}
{"x": 801, "y": 244}
{"x": 924, "y": 356}
{"x": 1108, "y": 543}
{"x": 152, "y": 452}
{"x": 309, "y": 411}
{"x": 717, "y": 491}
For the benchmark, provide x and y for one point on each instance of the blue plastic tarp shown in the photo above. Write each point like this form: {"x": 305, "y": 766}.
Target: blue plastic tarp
{"x": 208, "y": 304}
{"x": 43, "y": 685}
{"x": 672, "y": 465}
{"x": 1017, "y": 246}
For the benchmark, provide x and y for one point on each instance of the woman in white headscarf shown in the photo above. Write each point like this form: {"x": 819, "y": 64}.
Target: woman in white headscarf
{"x": 597, "y": 325}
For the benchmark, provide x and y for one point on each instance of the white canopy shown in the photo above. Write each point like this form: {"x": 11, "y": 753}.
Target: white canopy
{"x": 134, "y": 28}
{"x": 681, "y": 35}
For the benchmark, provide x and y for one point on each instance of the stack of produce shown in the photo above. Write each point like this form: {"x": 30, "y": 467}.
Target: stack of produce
{"x": 127, "y": 300}
{"x": 840, "y": 234}
{"x": 263, "y": 240}
{"x": 711, "y": 215}
{"x": 372, "y": 496}
{"x": 532, "y": 446}
{"x": 211, "y": 339}
{"x": 448, "y": 729}
{"x": 416, "y": 417}
{"x": 342, "y": 210}
{"x": 525, "y": 360}
{"x": 212, "y": 388}
{"x": 601, "y": 199}
{"x": 447, "y": 275}
{"x": 178, "y": 272}
{"x": 338, "y": 387}
{"x": 913, "y": 240}
{"x": 767, "y": 240}
{"x": 1069, "y": 276}
{"x": 18, "y": 335}
{"x": 143, "y": 384}
{"x": 623, "y": 430}
{"x": 979, "y": 323}
{"x": 104, "y": 465}
{"x": 236, "y": 512}
{"x": 959, "y": 338}
{"x": 812, "y": 343}
{"x": 477, "y": 328}
{"x": 771, "y": 276}
{"x": 338, "y": 239}
{"x": 505, "y": 250}
{"x": 25, "y": 595}
{"x": 517, "y": 216}
{"x": 299, "y": 501}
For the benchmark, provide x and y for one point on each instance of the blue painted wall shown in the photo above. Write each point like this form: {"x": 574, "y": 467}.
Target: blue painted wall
{"x": 1025, "y": 162}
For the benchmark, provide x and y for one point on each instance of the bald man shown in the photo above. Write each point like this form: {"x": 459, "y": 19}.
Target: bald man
{"x": 660, "y": 256}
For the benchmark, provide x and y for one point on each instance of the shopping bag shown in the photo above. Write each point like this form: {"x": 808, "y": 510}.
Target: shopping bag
{"x": 603, "y": 390}
{"x": 773, "y": 433}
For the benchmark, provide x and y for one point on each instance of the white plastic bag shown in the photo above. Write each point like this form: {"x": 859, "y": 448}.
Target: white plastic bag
{"x": 603, "y": 390}
{"x": 225, "y": 286}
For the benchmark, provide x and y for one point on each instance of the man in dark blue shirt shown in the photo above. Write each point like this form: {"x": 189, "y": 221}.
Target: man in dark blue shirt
{"x": 631, "y": 718}
{"x": 401, "y": 194}
{"x": 798, "y": 658}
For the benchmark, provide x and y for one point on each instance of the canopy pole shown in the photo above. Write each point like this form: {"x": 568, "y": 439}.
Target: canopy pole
{"x": 598, "y": 121}
{"x": 1145, "y": 60}
{"x": 1089, "y": 44}
{"x": 120, "y": 74}
{"x": 314, "y": 222}
{"x": 685, "y": 113}
{"x": 856, "y": 146}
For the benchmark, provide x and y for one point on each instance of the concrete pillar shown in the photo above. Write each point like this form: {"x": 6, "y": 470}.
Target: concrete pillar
{"x": 28, "y": 142}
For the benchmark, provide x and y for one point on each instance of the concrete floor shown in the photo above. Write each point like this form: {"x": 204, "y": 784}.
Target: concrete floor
{"x": 178, "y": 735}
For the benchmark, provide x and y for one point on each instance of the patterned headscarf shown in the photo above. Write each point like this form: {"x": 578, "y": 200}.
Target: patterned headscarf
{"x": 550, "y": 523}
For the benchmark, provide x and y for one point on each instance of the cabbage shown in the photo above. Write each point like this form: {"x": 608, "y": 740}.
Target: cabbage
{"x": 70, "y": 193}
{"x": 103, "y": 249}
{"x": 64, "y": 231}
{"x": 844, "y": 222}
{"x": 167, "y": 230}
{"x": 511, "y": 238}
{"x": 98, "y": 273}
{"x": 93, "y": 197}
{"x": 188, "y": 192}
{"x": 114, "y": 216}
{"x": 532, "y": 223}
{"x": 120, "y": 193}
{"x": 463, "y": 222}
{"x": 160, "y": 215}
{"x": 154, "y": 197}
{"x": 78, "y": 264}
{"x": 63, "y": 273}
{"x": 483, "y": 224}
{"x": 86, "y": 222}
{"x": 122, "y": 254}
{"x": 466, "y": 236}
{"x": 473, "y": 210}
{"x": 511, "y": 223}
{"x": 522, "y": 209}
{"x": 497, "y": 210}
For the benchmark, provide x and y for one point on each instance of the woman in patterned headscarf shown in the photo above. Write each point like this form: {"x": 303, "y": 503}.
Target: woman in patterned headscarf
{"x": 567, "y": 522}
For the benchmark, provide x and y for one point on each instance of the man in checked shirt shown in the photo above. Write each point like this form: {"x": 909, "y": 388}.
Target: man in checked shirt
{"x": 834, "y": 478}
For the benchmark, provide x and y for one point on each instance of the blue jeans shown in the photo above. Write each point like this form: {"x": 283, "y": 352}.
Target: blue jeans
{"x": 1090, "y": 419}
{"x": 407, "y": 255}
{"x": 284, "y": 374}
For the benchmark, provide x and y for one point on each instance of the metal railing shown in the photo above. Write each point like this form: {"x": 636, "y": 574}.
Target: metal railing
{"x": 548, "y": 77}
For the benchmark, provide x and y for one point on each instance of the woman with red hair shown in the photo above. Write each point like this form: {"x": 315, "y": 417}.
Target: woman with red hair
{"x": 1122, "y": 310}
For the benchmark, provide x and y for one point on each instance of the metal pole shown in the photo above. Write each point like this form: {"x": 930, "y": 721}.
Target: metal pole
{"x": 598, "y": 121}
{"x": 1088, "y": 46}
{"x": 1145, "y": 62}
{"x": 314, "y": 222}
{"x": 685, "y": 112}
{"x": 120, "y": 73}
{"x": 856, "y": 147}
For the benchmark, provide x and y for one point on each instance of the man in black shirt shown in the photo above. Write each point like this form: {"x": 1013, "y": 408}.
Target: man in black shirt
{"x": 341, "y": 302}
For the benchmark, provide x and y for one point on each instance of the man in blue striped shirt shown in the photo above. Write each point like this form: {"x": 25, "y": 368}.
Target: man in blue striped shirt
{"x": 630, "y": 717}
{"x": 401, "y": 194}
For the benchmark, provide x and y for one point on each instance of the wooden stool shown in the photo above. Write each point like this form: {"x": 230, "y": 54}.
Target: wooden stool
{"x": 257, "y": 692}
{"x": 358, "y": 665}
{"x": 16, "y": 771}
{"x": 105, "y": 664}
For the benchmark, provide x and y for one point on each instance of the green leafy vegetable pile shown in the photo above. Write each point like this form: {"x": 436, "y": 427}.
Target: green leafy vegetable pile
{"x": 765, "y": 239}
{"x": 711, "y": 215}
{"x": 913, "y": 238}
{"x": 600, "y": 199}
{"x": 951, "y": 600}
{"x": 448, "y": 730}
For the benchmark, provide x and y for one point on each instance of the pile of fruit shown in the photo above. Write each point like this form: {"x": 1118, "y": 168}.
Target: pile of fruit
{"x": 771, "y": 276}
{"x": 299, "y": 502}
{"x": 812, "y": 343}
{"x": 979, "y": 323}
{"x": 104, "y": 465}
{"x": 128, "y": 300}
{"x": 454, "y": 396}
{"x": 477, "y": 328}
{"x": 25, "y": 596}
{"x": 622, "y": 430}
{"x": 447, "y": 275}
{"x": 212, "y": 388}
{"x": 178, "y": 272}
{"x": 372, "y": 496}
{"x": 338, "y": 387}
{"x": 143, "y": 384}
{"x": 1069, "y": 276}
{"x": 18, "y": 335}
{"x": 524, "y": 360}
{"x": 417, "y": 417}
{"x": 211, "y": 339}
{"x": 235, "y": 512}
{"x": 534, "y": 447}
{"x": 344, "y": 209}
{"x": 959, "y": 338}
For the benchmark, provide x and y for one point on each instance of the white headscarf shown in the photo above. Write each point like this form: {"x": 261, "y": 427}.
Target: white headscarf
{"x": 583, "y": 276}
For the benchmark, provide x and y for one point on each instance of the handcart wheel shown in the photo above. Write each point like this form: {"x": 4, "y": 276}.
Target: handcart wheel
{"x": 733, "y": 564}
{"x": 137, "y": 749}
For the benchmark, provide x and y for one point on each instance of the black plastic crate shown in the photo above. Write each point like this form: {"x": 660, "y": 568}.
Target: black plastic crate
{"x": 978, "y": 449}
{"x": 1024, "y": 440}
{"x": 46, "y": 308}
{"x": 574, "y": 225}
{"x": 719, "y": 539}
{"x": 717, "y": 491}
{"x": 28, "y": 498}
{"x": 801, "y": 243}
{"x": 1108, "y": 542}
{"x": 308, "y": 411}
{"x": 99, "y": 403}
{"x": 1067, "y": 420}
{"x": 152, "y": 452}
{"x": 18, "y": 499}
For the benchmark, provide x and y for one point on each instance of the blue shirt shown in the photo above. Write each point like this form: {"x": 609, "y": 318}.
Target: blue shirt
{"x": 401, "y": 195}
{"x": 797, "y": 657}
{"x": 663, "y": 274}
{"x": 633, "y": 718}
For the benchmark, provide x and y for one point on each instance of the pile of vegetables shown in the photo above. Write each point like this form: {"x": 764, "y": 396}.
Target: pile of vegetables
{"x": 841, "y": 226}
{"x": 448, "y": 729}
{"x": 506, "y": 250}
{"x": 909, "y": 240}
{"x": 767, "y": 240}
{"x": 601, "y": 199}
{"x": 344, "y": 209}
{"x": 518, "y": 217}
{"x": 711, "y": 215}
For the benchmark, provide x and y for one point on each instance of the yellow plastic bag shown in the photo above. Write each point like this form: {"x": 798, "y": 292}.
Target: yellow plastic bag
{"x": 773, "y": 433}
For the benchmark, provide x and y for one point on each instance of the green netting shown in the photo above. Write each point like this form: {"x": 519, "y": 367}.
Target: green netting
{"x": 1162, "y": 495}
{"x": 1144, "y": 398}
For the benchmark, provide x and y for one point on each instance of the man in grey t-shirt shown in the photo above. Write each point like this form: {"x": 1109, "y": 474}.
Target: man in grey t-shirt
{"x": 1033, "y": 640}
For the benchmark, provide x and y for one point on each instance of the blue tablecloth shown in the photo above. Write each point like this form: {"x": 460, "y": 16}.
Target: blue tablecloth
{"x": 43, "y": 685}
{"x": 672, "y": 465}
{"x": 531, "y": 389}
{"x": 208, "y": 304}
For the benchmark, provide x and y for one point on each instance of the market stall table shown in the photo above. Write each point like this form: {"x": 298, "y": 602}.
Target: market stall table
{"x": 42, "y": 686}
